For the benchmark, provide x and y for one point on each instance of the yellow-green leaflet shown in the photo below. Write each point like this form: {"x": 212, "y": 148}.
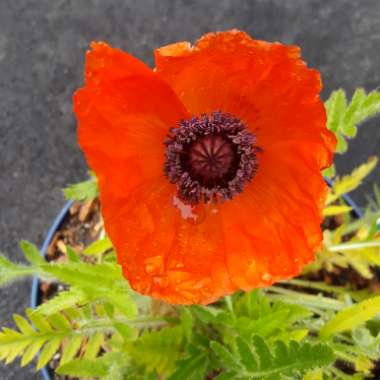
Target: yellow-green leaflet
{"x": 351, "y": 317}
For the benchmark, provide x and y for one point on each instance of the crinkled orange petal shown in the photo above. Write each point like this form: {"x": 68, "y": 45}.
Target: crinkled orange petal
{"x": 275, "y": 222}
{"x": 124, "y": 112}
{"x": 163, "y": 254}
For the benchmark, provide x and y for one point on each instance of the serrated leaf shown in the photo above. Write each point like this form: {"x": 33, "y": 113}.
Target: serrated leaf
{"x": 23, "y": 325}
{"x": 246, "y": 356}
{"x": 5, "y": 263}
{"x": 72, "y": 256}
{"x": 63, "y": 300}
{"x": 85, "y": 275}
{"x": 38, "y": 321}
{"x": 158, "y": 350}
{"x": 351, "y": 182}
{"x": 349, "y": 118}
{"x": 227, "y": 376}
{"x": 313, "y": 375}
{"x": 93, "y": 346}
{"x": 71, "y": 348}
{"x": 10, "y": 271}
{"x": 83, "y": 368}
{"x": 193, "y": 368}
{"x": 48, "y": 351}
{"x": 59, "y": 322}
{"x": 336, "y": 210}
{"x": 32, "y": 351}
{"x": 31, "y": 253}
{"x": 263, "y": 353}
{"x": 284, "y": 361}
{"x": 85, "y": 190}
{"x": 343, "y": 119}
{"x": 98, "y": 247}
{"x": 187, "y": 323}
{"x": 205, "y": 314}
{"x": 351, "y": 317}
{"x": 336, "y": 106}
{"x": 226, "y": 357}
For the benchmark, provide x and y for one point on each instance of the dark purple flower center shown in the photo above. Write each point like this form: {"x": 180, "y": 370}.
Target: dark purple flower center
{"x": 210, "y": 157}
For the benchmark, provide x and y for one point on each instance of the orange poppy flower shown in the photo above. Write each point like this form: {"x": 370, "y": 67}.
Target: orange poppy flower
{"x": 209, "y": 166}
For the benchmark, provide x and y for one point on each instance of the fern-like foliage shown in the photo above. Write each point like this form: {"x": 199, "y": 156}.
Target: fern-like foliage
{"x": 355, "y": 242}
{"x": 256, "y": 360}
{"x": 40, "y": 334}
{"x": 157, "y": 351}
{"x": 102, "y": 281}
{"x": 343, "y": 117}
{"x": 110, "y": 366}
{"x": 83, "y": 191}
{"x": 10, "y": 271}
{"x": 63, "y": 300}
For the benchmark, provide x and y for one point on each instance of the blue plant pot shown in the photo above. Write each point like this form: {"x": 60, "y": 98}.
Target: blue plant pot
{"x": 57, "y": 224}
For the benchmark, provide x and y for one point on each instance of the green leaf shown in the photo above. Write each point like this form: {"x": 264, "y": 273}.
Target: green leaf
{"x": 71, "y": 348}
{"x": 38, "y": 321}
{"x": 336, "y": 210}
{"x": 63, "y": 300}
{"x": 31, "y": 253}
{"x": 48, "y": 351}
{"x": 226, "y": 357}
{"x": 59, "y": 322}
{"x": 107, "y": 366}
{"x": 112, "y": 286}
{"x": 227, "y": 376}
{"x": 313, "y": 375}
{"x": 246, "y": 356}
{"x": 85, "y": 190}
{"x": 72, "y": 255}
{"x": 84, "y": 368}
{"x": 10, "y": 271}
{"x": 93, "y": 346}
{"x": 351, "y": 317}
{"x": 272, "y": 364}
{"x": 343, "y": 118}
{"x": 336, "y": 106}
{"x": 98, "y": 247}
{"x": 205, "y": 314}
{"x": 193, "y": 368}
{"x": 159, "y": 350}
{"x": 351, "y": 182}
{"x": 32, "y": 351}
{"x": 23, "y": 325}
{"x": 263, "y": 353}
{"x": 86, "y": 276}
{"x": 187, "y": 323}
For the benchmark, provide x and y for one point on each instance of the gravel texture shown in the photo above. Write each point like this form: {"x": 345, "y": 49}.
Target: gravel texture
{"x": 42, "y": 45}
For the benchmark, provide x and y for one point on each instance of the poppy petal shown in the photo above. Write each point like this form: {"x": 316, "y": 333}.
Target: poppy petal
{"x": 273, "y": 228}
{"x": 164, "y": 254}
{"x": 124, "y": 112}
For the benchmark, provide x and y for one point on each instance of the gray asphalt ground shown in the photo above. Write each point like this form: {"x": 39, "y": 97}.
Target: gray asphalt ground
{"x": 42, "y": 45}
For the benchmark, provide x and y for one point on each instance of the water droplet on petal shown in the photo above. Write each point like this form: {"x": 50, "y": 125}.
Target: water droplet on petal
{"x": 149, "y": 268}
{"x": 161, "y": 281}
{"x": 266, "y": 277}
